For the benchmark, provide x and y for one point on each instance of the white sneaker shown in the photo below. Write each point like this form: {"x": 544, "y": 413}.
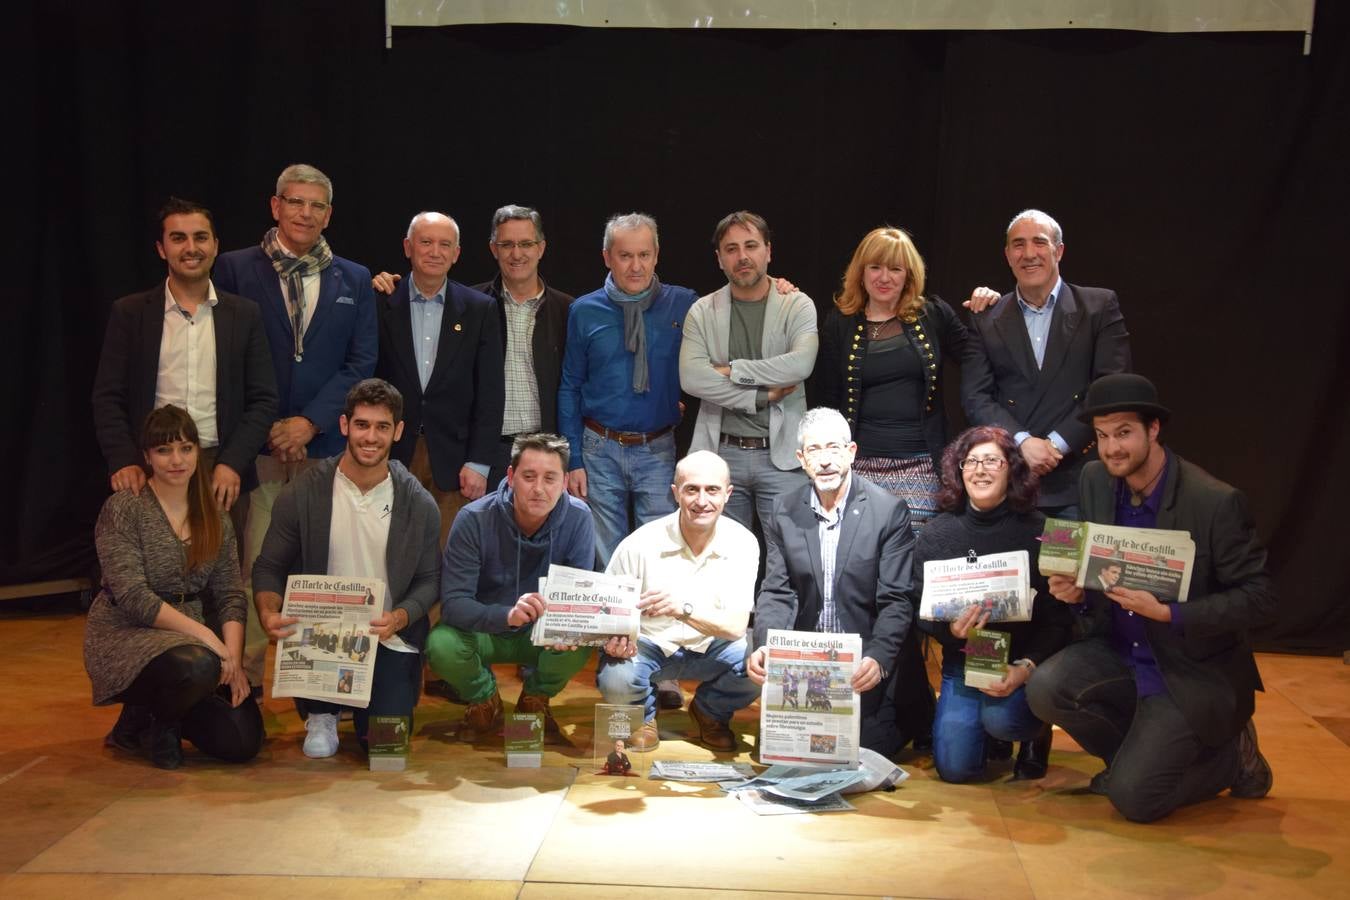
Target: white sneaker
{"x": 322, "y": 740}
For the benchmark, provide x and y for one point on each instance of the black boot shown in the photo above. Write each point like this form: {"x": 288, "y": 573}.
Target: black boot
{"x": 1033, "y": 757}
{"x": 996, "y": 750}
{"x": 129, "y": 731}
{"x": 164, "y": 744}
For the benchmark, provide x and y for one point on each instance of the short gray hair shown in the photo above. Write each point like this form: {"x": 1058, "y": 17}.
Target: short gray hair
{"x": 427, "y": 214}
{"x": 1039, "y": 218}
{"x": 630, "y": 222}
{"x": 513, "y": 213}
{"x": 303, "y": 173}
{"x": 823, "y": 415}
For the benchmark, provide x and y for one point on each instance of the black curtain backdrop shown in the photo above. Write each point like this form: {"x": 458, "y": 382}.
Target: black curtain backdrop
{"x": 1204, "y": 177}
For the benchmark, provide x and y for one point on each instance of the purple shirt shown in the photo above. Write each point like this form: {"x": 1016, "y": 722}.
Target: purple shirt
{"x": 1128, "y": 634}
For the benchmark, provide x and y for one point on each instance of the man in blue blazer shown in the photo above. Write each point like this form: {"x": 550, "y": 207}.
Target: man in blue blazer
{"x": 318, "y": 313}
{"x": 441, "y": 346}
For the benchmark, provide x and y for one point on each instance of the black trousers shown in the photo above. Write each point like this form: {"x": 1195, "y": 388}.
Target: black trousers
{"x": 181, "y": 686}
{"x": 1158, "y": 763}
{"x": 394, "y": 690}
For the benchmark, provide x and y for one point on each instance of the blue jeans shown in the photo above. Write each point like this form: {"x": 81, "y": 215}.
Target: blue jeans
{"x": 965, "y": 715}
{"x": 721, "y": 668}
{"x": 614, "y": 473}
{"x": 756, "y": 482}
{"x": 395, "y": 686}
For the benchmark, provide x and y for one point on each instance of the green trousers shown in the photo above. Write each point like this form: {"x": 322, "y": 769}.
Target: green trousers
{"x": 463, "y": 658}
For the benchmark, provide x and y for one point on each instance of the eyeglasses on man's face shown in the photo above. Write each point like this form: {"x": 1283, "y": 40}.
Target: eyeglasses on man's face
{"x": 299, "y": 204}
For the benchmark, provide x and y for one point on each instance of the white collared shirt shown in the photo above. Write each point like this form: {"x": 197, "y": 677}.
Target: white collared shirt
{"x": 187, "y": 363}
{"x": 721, "y": 578}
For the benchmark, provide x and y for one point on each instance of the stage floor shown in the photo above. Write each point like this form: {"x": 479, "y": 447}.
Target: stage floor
{"x": 84, "y": 821}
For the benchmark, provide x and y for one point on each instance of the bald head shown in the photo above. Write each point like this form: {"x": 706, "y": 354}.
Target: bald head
{"x": 432, "y": 247}
{"x": 702, "y": 486}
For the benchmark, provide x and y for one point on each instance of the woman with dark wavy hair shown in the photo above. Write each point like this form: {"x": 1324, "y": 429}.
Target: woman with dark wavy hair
{"x": 988, "y": 503}
{"x": 169, "y": 568}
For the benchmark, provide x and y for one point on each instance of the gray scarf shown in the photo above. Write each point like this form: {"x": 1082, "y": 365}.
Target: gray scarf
{"x": 293, "y": 269}
{"x": 634, "y": 334}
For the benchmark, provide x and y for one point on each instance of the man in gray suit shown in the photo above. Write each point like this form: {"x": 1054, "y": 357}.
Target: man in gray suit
{"x": 747, "y": 349}
{"x": 840, "y": 559}
{"x": 359, "y": 515}
{"x": 1031, "y": 357}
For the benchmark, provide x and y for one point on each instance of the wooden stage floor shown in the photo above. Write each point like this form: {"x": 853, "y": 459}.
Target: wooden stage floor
{"x": 84, "y": 821}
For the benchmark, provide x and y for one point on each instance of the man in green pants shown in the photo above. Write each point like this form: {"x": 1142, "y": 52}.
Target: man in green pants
{"x": 499, "y": 548}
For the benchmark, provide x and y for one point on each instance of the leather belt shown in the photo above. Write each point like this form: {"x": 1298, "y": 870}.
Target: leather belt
{"x": 626, "y": 438}
{"x": 746, "y": 443}
{"x": 177, "y": 598}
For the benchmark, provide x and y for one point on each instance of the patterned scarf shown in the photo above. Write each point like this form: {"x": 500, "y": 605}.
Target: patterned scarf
{"x": 634, "y": 334}
{"x": 293, "y": 269}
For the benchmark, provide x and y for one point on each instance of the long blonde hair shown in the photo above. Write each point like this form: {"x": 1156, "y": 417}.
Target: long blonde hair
{"x": 884, "y": 246}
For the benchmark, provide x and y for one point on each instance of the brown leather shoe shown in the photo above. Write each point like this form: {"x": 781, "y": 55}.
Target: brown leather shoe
{"x": 536, "y": 703}
{"x": 648, "y": 737}
{"x": 713, "y": 734}
{"x": 482, "y": 720}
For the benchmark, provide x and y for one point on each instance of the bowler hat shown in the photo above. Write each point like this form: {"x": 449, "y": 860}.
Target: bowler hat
{"x": 1123, "y": 392}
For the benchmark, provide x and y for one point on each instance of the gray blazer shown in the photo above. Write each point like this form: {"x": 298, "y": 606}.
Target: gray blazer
{"x": 297, "y": 541}
{"x": 789, "y": 346}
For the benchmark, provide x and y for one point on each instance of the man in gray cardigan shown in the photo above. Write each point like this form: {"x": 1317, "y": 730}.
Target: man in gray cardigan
{"x": 747, "y": 349}
{"x": 359, "y": 515}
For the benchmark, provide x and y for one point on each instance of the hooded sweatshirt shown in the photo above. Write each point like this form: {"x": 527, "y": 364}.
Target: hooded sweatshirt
{"x": 489, "y": 563}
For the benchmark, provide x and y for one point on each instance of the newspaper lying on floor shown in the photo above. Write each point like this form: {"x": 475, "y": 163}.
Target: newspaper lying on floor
{"x": 809, "y": 713}
{"x": 586, "y": 609}
{"x": 1100, "y": 557}
{"x": 811, "y": 789}
{"x": 330, "y": 654}
{"x": 668, "y": 770}
{"x": 762, "y": 803}
{"x": 997, "y": 583}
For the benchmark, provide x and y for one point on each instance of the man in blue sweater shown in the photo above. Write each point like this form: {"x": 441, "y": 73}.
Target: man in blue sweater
{"x": 499, "y": 548}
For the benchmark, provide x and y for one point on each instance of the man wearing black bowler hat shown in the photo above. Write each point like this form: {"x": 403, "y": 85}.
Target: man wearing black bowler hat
{"x": 1163, "y": 692}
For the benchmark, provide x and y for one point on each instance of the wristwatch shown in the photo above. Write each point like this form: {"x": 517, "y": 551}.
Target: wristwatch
{"x": 688, "y": 611}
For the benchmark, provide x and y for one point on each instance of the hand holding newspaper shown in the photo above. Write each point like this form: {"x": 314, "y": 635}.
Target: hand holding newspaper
{"x": 330, "y": 655}
{"x": 586, "y": 609}
{"x": 1102, "y": 557}
{"x": 809, "y": 713}
{"x": 998, "y": 583}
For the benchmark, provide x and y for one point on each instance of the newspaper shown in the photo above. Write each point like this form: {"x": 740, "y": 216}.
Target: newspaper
{"x": 762, "y": 803}
{"x": 667, "y": 770}
{"x": 1101, "y": 557}
{"x": 873, "y": 772}
{"x": 999, "y": 583}
{"x": 586, "y": 608}
{"x": 808, "y": 710}
{"x": 330, "y": 654}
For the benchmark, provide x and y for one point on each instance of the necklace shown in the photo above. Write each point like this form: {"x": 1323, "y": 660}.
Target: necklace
{"x": 874, "y": 329}
{"x": 1137, "y": 497}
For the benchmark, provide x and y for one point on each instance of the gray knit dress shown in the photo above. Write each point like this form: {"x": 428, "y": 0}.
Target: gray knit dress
{"x": 140, "y": 555}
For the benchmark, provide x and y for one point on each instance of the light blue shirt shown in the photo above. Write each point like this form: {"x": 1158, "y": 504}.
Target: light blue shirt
{"x": 1038, "y": 330}
{"x": 426, "y": 315}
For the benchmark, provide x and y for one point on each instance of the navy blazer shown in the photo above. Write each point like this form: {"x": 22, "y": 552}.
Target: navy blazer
{"x": 460, "y": 411}
{"x": 340, "y": 342}
{"x": 1208, "y": 666}
{"x": 1001, "y": 385}
{"x": 128, "y": 372}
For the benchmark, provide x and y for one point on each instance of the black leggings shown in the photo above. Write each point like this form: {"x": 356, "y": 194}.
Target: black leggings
{"x": 182, "y": 685}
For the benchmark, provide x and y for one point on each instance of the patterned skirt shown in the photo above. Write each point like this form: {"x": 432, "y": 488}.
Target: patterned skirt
{"x": 913, "y": 479}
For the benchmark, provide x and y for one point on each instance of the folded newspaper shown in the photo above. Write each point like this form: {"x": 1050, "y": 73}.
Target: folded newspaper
{"x": 997, "y": 583}
{"x": 330, "y": 654}
{"x": 586, "y": 609}
{"x": 809, "y": 713}
{"x": 1100, "y": 557}
{"x": 762, "y": 803}
{"x": 667, "y": 770}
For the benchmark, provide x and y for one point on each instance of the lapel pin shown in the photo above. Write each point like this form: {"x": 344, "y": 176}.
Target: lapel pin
{"x": 459, "y": 327}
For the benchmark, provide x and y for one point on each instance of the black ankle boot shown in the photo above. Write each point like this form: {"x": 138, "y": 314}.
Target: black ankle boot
{"x": 1033, "y": 757}
{"x": 996, "y": 750}
{"x": 164, "y": 744}
{"x": 129, "y": 731}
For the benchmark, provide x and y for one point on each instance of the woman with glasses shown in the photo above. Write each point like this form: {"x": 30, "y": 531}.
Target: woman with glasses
{"x": 988, "y": 503}
{"x": 165, "y": 634}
